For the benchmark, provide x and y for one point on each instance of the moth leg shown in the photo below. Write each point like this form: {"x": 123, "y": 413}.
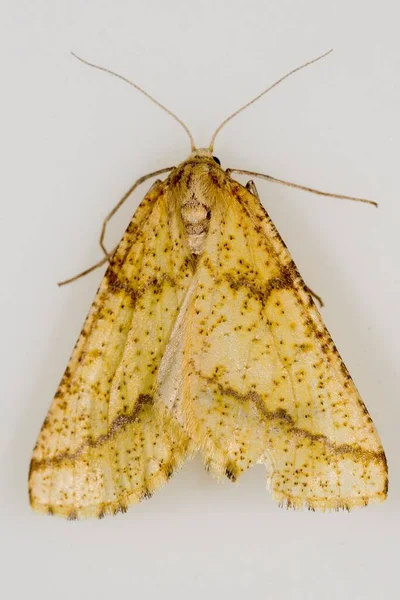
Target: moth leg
{"x": 315, "y": 296}
{"x": 100, "y": 263}
{"x": 155, "y": 184}
{"x": 120, "y": 203}
{"x": 251, "y": 186}
{"x": 108, "y": 255}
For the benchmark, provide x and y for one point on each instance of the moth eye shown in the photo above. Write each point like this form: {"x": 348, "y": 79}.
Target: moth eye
{"x": 217, "y": 160}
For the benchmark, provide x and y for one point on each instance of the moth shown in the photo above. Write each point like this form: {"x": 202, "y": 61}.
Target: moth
{"x": 204, "y": 338}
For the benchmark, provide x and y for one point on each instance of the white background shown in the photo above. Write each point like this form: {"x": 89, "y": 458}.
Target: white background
{"x": 72, "y": 141}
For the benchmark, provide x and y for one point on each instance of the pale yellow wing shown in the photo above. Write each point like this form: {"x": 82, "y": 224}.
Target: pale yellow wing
{"x": 102, "y": 446}
{"x": 262, "y": 380}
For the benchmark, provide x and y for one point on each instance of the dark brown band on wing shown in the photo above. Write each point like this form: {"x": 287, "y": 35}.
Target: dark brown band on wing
{"x": 283, "y": 416}
{"x": 118, "y": 423}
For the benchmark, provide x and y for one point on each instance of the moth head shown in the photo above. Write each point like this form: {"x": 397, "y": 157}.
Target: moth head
{"x": 205, "y": 153}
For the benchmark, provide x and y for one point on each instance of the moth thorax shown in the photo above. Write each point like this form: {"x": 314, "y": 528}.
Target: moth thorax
{"x": 196, "y": 220}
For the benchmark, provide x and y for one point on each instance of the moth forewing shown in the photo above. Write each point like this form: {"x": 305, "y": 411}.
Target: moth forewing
{"x": 101, "y": 447}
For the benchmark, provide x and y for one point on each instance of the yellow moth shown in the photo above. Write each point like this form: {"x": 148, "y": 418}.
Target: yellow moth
{"x": 203, "y": 338}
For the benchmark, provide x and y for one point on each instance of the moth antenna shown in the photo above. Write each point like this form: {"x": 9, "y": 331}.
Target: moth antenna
{"x": 211, "y": 146}
{"x": 137, "y": 87}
